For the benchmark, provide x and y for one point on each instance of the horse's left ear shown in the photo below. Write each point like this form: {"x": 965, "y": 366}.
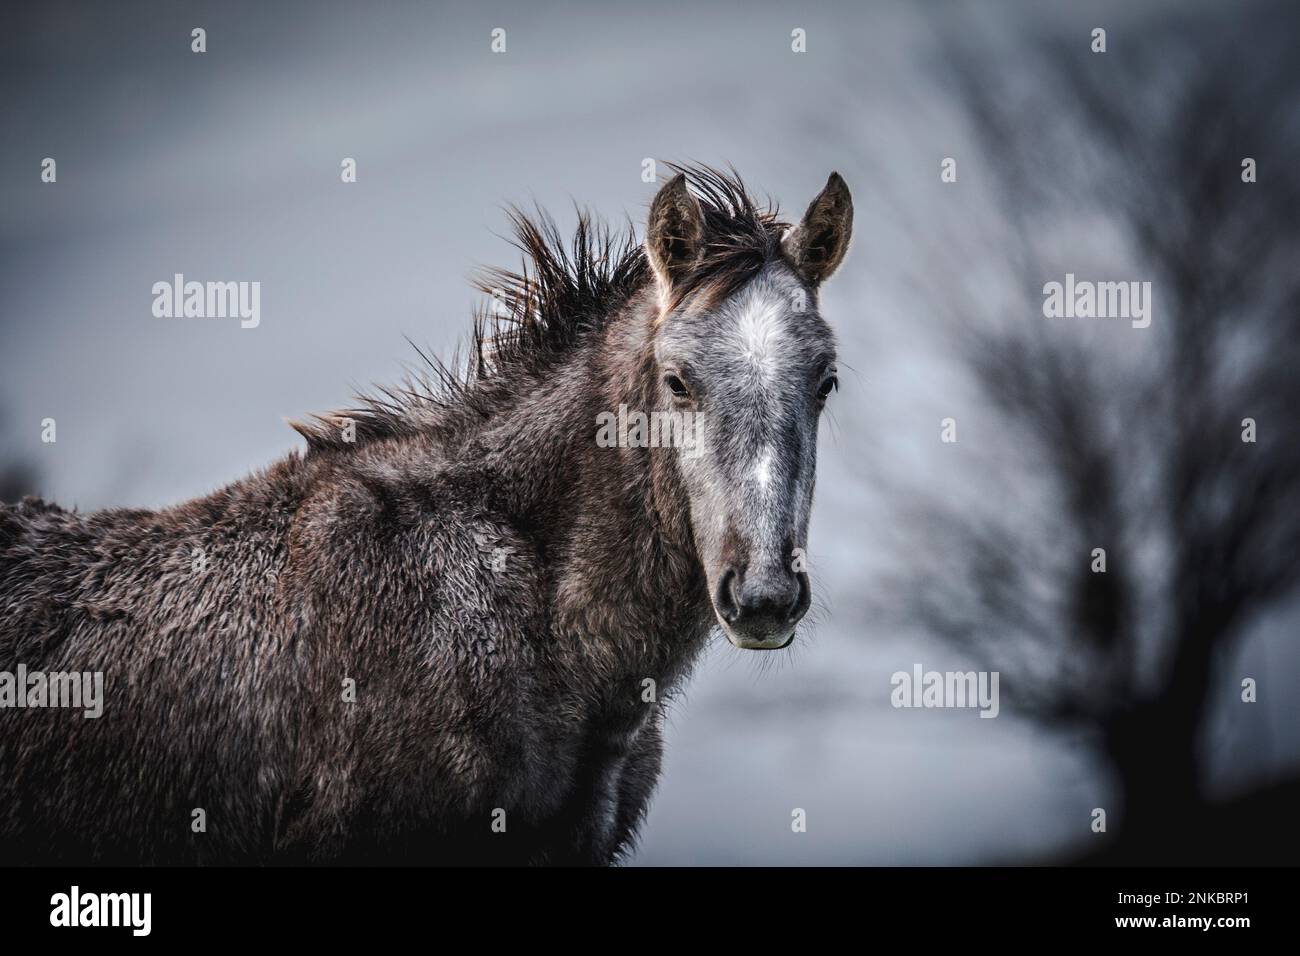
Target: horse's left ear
{"x": 817, "y": 245}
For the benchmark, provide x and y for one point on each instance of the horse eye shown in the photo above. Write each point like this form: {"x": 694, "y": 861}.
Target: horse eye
{"x": 832, "y": 384}
{"x": 677, "y": 386}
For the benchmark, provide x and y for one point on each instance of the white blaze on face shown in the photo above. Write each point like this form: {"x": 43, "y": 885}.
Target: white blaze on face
{"x": 763, "y": 343}
{"x": 761, "y": 330}
{"x": 762, "y": 472}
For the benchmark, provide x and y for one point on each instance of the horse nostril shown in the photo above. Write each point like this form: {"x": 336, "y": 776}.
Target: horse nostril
{"x": 762, "y": 603}
{"x": 727, "y": 601}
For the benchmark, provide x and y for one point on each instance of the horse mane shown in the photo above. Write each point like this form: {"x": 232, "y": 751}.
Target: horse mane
{"x": 563, "y": 293}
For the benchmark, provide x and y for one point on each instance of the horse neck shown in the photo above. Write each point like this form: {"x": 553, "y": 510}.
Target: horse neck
{"x": 611, "y": 524}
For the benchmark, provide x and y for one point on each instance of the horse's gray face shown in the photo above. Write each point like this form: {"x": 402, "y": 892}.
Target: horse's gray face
{"x": 754, "y": 372}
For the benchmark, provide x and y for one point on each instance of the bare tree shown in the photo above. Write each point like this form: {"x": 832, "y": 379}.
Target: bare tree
{"x": 1144, "y": 447}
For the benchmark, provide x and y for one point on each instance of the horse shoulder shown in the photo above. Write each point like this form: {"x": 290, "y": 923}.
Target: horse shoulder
{"x": 432, "y": 604}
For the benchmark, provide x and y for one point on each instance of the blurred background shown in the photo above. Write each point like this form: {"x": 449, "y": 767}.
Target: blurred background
{"x": 1120, "y": 691}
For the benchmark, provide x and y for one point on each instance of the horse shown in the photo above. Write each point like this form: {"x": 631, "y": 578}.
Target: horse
{"x": 446, "y": 632}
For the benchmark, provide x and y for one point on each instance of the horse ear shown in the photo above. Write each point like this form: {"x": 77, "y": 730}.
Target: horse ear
{"x": 674, "y": 232}
{"x": 817, "y": 245}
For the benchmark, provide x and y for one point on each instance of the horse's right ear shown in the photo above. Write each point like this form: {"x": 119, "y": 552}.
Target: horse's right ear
{"x": 674, "y": 232}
